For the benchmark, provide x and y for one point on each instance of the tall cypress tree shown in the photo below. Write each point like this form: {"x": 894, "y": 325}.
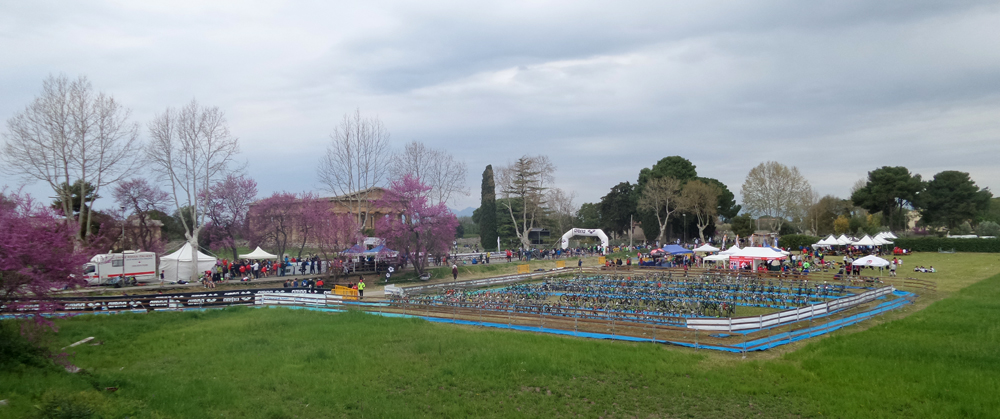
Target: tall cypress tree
{"x": 488, "y": 211}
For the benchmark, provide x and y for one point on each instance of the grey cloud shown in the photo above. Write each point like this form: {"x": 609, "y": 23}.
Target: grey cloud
{"x": 605, "y": 89}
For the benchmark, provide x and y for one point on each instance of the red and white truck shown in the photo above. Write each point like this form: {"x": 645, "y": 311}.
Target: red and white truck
{"x": 121, "y": 268}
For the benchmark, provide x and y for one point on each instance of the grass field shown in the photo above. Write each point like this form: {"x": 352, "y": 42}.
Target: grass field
{"x": 941, "y": 361}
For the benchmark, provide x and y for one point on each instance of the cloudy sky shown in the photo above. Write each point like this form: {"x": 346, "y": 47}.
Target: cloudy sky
{"x": 836, "y": 88}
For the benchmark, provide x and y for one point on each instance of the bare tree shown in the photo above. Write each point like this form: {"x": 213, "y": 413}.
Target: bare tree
{"x": 356, "y": 161}
{"x": 435, "y": 168}
{"x": 702, "y": 200}
{"x": 192, "y": 148}
{"x": 810, "y": 218}
{"x": 660, "y": 196}
{"x": 561, "y": 208}
{"x": 774, "y": 190}
{"x": 522, "y": 187}
{"x": 141, "y": 199}
{"x": 70, "y": 133}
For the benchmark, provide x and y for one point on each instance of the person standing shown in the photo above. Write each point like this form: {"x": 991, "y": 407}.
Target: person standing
{"x": 454, "y": 271}
{"x": 361, "y": 288}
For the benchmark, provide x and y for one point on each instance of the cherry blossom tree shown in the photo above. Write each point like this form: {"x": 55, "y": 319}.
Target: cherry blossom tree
{"x": 420, "y": 230}
{"x": 139, "y": 197}
{"x": 330, "y": 233}
{"x": 38, "y": 255}
{"x": 226, "y": 204}
{"x": 271, "y": 221}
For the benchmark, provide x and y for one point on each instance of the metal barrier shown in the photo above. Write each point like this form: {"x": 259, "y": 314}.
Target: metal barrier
{"x": 476, "y": 283}
{"x": 309, "y": 300}
{"x": 788, "y": 316}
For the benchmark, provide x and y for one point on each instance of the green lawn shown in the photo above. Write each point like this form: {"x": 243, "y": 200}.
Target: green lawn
{"x": 942, "y": 361}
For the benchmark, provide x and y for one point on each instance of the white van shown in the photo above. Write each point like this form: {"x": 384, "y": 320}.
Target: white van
{"x": 121, "y": 268}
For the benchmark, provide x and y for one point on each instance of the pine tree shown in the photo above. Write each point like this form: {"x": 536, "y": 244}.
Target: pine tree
{"x": 488, "y": 211}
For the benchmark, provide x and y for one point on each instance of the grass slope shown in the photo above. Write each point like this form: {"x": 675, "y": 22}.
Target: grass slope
{"x": 942, "y": 361}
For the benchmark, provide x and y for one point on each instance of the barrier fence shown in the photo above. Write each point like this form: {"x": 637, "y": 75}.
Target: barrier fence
{"x": 160, "y": 302}
{"x": 728, "y": 334}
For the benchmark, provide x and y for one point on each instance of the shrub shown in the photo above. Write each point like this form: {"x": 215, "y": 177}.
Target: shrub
{"x": 795, "y": 241}
{"x": 66, "y": 406}
{"x": 961, "y": 229}
{"x": 933, "y": 244}
{"x": 16, "y": 349}
{"x": 988, "y": 228}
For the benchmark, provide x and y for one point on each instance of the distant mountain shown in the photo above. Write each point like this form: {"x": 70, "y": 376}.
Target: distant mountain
{"x": 463, "y": 213}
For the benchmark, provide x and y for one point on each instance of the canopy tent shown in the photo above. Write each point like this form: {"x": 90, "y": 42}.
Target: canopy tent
{"x": 674, "y": 249}
{"x": 865, "y": 241}
{"x": 778, "y": 250}
{"x": 843, "y": 240}
{"x": 749, "y": 255}
{"x": 706, "y": 248}
{"x": 381, "y": 251}
{"x": 887, "y": 235}
{"x": 258, "y": 253}
{"x": 758, "y": 253}
{"x": 177, "y": 266}
{"x": 871, "y": 260}
{"x": 881, "y": 241}
{"x": 716, "y": 258}
{"x": 657, "y": 252}
{"x": 356, "y": 250}
{"x": 829, "y": 241}
{"x": 731, "y": 250}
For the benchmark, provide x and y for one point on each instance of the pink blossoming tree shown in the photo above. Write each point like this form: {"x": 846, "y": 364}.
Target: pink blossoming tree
{"x": 421, "y": 230}
{"x": 226, "y": 204}
{"x": 38, "y": 255}
{"x": 272, "y": 221}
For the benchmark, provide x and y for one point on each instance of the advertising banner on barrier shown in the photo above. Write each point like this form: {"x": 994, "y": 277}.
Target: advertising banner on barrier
{"x": 152, "y": 302}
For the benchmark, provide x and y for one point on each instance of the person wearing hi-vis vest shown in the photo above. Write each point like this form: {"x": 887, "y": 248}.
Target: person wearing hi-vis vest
{"x": 361, "y": 288}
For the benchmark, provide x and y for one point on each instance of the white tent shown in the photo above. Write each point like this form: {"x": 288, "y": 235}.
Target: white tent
{"x": 779, "y": 250}
{"x": 887, "y": 235}
{"x": 707, "y": 248}
{"x": 880, "y": 241}
{"x": 716, "y": 257}
{"x": 829, "y": 241}
{"x": 758, "y": 253}
{"x": 731, "y": 250}
{"x": 843, "y": 240}
{"x": 865, "y": 241}
{"x": 258, "y": 253}
{"x": 177, "y": 266}
{"x": 871, "y": 260}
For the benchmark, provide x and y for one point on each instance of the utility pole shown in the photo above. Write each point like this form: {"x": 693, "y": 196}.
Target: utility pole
{"x": 630, "y": 228}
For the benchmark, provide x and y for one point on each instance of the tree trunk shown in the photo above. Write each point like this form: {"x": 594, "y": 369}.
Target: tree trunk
{"x": 193, "y": 241}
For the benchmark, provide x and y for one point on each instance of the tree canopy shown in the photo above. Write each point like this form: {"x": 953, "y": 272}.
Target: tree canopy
{"x": 888, "y": 190}
{"x": 676, "y": 167}
{"x": 727, "y": 208}
{"x": 424, "y": 229}
{"x": 617, "y": 206}
{"x": 487, "y": 215}
{"x": 774, "y": 190}
{"x": 952, "y": 198}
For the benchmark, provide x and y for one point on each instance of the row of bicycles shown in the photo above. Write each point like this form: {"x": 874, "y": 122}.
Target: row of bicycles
{"x": 656, "y": 297}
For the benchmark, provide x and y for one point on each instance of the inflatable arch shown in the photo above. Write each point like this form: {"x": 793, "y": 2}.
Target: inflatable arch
{"x": 590, "y": 232}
